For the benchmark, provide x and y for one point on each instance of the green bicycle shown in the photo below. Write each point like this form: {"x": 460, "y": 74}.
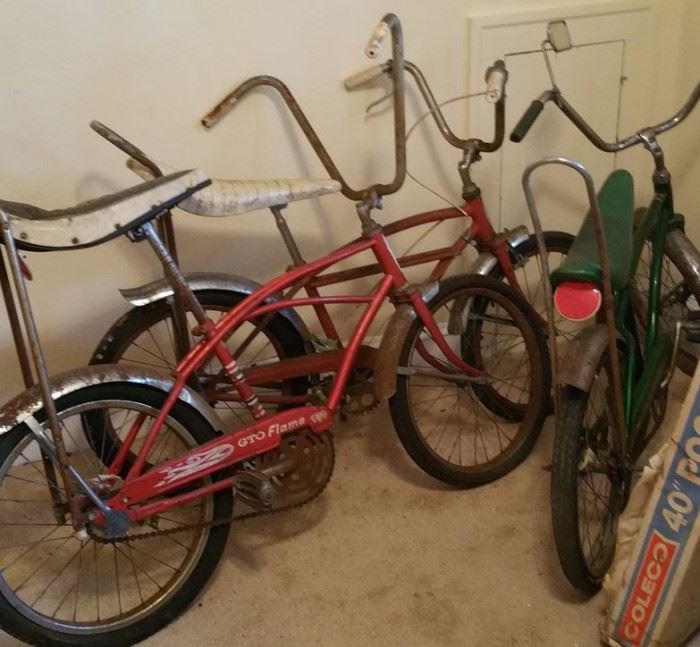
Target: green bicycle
{"x": 611, "y": 394}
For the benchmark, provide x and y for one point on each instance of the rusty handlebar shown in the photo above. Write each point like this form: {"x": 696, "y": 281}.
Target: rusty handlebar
{"x": 396, "y": 67}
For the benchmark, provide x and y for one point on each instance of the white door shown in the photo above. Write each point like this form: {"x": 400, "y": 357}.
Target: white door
{"x": 606, "y": 77}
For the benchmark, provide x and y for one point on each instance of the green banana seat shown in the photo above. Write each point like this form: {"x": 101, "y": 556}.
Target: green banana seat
{"x": 582, "y": 265}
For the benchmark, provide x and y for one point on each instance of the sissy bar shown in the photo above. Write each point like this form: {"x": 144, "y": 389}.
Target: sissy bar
{"x": 53, "y": 447}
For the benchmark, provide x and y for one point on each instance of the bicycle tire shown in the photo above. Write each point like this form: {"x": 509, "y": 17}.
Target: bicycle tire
{"x": 31, "y": 622}
{"x": 677, "y": 299}
{"x": 506, "y": 455}
{"x": 120, "y": 340}
{"x": 573, "y": 452}
{"x": 556, "y": 242}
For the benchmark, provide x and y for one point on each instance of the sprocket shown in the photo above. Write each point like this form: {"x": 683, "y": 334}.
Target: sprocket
{"x": 359, "y": 397}
{"x": 298, "y": 469}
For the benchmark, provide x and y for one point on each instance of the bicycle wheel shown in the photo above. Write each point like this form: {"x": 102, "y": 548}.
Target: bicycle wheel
{"x": 529, "y": 273}
{"x": 59, "y": 589}
{"x": 587, "y": 483}
{"x": 440, "y": 420}
{"x": 677, "y": 302}
{"x": 527, "y": 264}
{"x": 144, "y": 337}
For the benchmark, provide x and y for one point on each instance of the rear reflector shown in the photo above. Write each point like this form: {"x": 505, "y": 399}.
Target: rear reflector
{"x": 577, "y": 301}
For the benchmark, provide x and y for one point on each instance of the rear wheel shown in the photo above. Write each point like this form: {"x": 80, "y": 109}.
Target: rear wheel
{"x": 588, "y": 483}
{"x": 677, "y": 303}
{"x": 57, "y": 588}
{"x": 439, "y": 416}
{"x": 527, "y": 263}
{"x": 144, "y": 337}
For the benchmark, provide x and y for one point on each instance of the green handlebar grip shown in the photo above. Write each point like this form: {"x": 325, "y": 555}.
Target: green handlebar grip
{"x": 526, "y": 121}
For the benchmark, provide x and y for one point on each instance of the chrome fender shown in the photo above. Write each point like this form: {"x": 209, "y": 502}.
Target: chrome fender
{"x": 387, "y": 360}
{"x": 486, "y": 261}
{"x": 161, "y": 289}
{"x": 26, "y": 404}
{"x": 583, "y": 355}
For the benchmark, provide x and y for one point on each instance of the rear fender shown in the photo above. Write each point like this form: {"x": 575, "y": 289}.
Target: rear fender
{"x": 583, "y": 356}
{"x": 21, "y": 408}
{"x": 161, "y": 289}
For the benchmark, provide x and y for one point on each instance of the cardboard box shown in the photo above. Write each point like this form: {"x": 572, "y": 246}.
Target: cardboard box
{"x": 654, "y": 584}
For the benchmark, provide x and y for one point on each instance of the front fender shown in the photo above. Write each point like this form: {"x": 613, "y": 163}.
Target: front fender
{"x": 486, "y": 261}
{"x": 26, "y": 404}
{"x": 161, "y": 289}
{"x": 387, "y": 360}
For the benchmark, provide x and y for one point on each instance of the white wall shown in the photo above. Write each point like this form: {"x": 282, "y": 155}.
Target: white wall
{"x": 151, "y": 68}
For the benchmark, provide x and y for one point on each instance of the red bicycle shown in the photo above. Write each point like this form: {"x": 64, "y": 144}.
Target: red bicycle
{"x": 107, "y": 540}
{"x": 155, "y": 333}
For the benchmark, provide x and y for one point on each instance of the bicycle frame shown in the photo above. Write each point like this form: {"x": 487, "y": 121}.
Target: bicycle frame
{"x": 642, "y": 367}
{"x": 479, "y": 232}
{"x": 265, "y": 432}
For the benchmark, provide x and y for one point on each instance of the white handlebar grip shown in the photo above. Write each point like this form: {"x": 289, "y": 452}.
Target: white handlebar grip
{"x": 374, "y": 46}
{"x": 363, "y": 76}
{"x": 494, "y": 84}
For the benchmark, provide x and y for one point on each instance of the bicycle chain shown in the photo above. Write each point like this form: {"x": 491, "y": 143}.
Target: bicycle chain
{"x": 219, "y": 522}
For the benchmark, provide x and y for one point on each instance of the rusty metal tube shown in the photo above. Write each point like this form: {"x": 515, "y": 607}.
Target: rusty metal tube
{"x": 397, "y": 77}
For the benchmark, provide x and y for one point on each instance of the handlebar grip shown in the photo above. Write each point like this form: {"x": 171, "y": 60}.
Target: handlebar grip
{"x": 363, "y": 76}
{"x": 526, "y": 121}
{"x": 374, "y": 46}
{"x": 496, "y": 77}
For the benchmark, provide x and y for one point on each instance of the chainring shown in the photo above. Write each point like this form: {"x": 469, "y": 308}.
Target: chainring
{"x": 359, "y": 397}
{"x": 298, "y": 469}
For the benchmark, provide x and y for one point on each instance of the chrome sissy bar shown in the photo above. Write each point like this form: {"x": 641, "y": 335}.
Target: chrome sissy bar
{"x": 608, "y": 298}
{"x": 52, "y": 447}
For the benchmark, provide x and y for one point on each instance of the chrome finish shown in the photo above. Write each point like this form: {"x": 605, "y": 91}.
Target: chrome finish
{"x": 619, "y": 438}
{"x": 583, "y": 356}
{"x": 19, "y": 409}
{"x": 40, "y": 368}
{"x": 463, "y": 144}
{"x": 173, "y": 273}
{"x": 674, "y": 354}
{"x": 398, "y": 92}
{"x": 46, "y": 445}
{"x": 486, "y": 261}
{"x": 161, "y": 289}
{"x": 447, "y": 377}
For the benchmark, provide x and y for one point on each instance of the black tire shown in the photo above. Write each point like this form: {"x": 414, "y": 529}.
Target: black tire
{"x": 557, "y": 244}
{"x": 677, "y": 303}
{"x": 120, "y": 344}
{"x": 584, "y": 463}
{"x": 30, "y": 621}
{"x": 513, "y": 440}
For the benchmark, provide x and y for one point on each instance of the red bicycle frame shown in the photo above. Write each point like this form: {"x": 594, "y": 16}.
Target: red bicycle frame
{"x": 265, "y": 432}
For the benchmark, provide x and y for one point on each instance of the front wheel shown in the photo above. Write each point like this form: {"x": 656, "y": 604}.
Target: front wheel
{"x": 439, "y": 416}
{"x": 58, "y": 588}
{"x": 588, "y": 483}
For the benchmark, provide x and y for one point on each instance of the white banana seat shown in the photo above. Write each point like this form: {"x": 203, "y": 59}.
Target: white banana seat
{"x": 233, "y": 197}
{"x": 96, "y": 221}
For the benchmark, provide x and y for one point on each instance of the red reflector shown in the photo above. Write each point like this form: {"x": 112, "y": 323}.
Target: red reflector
{"x": 577, "y": 301}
